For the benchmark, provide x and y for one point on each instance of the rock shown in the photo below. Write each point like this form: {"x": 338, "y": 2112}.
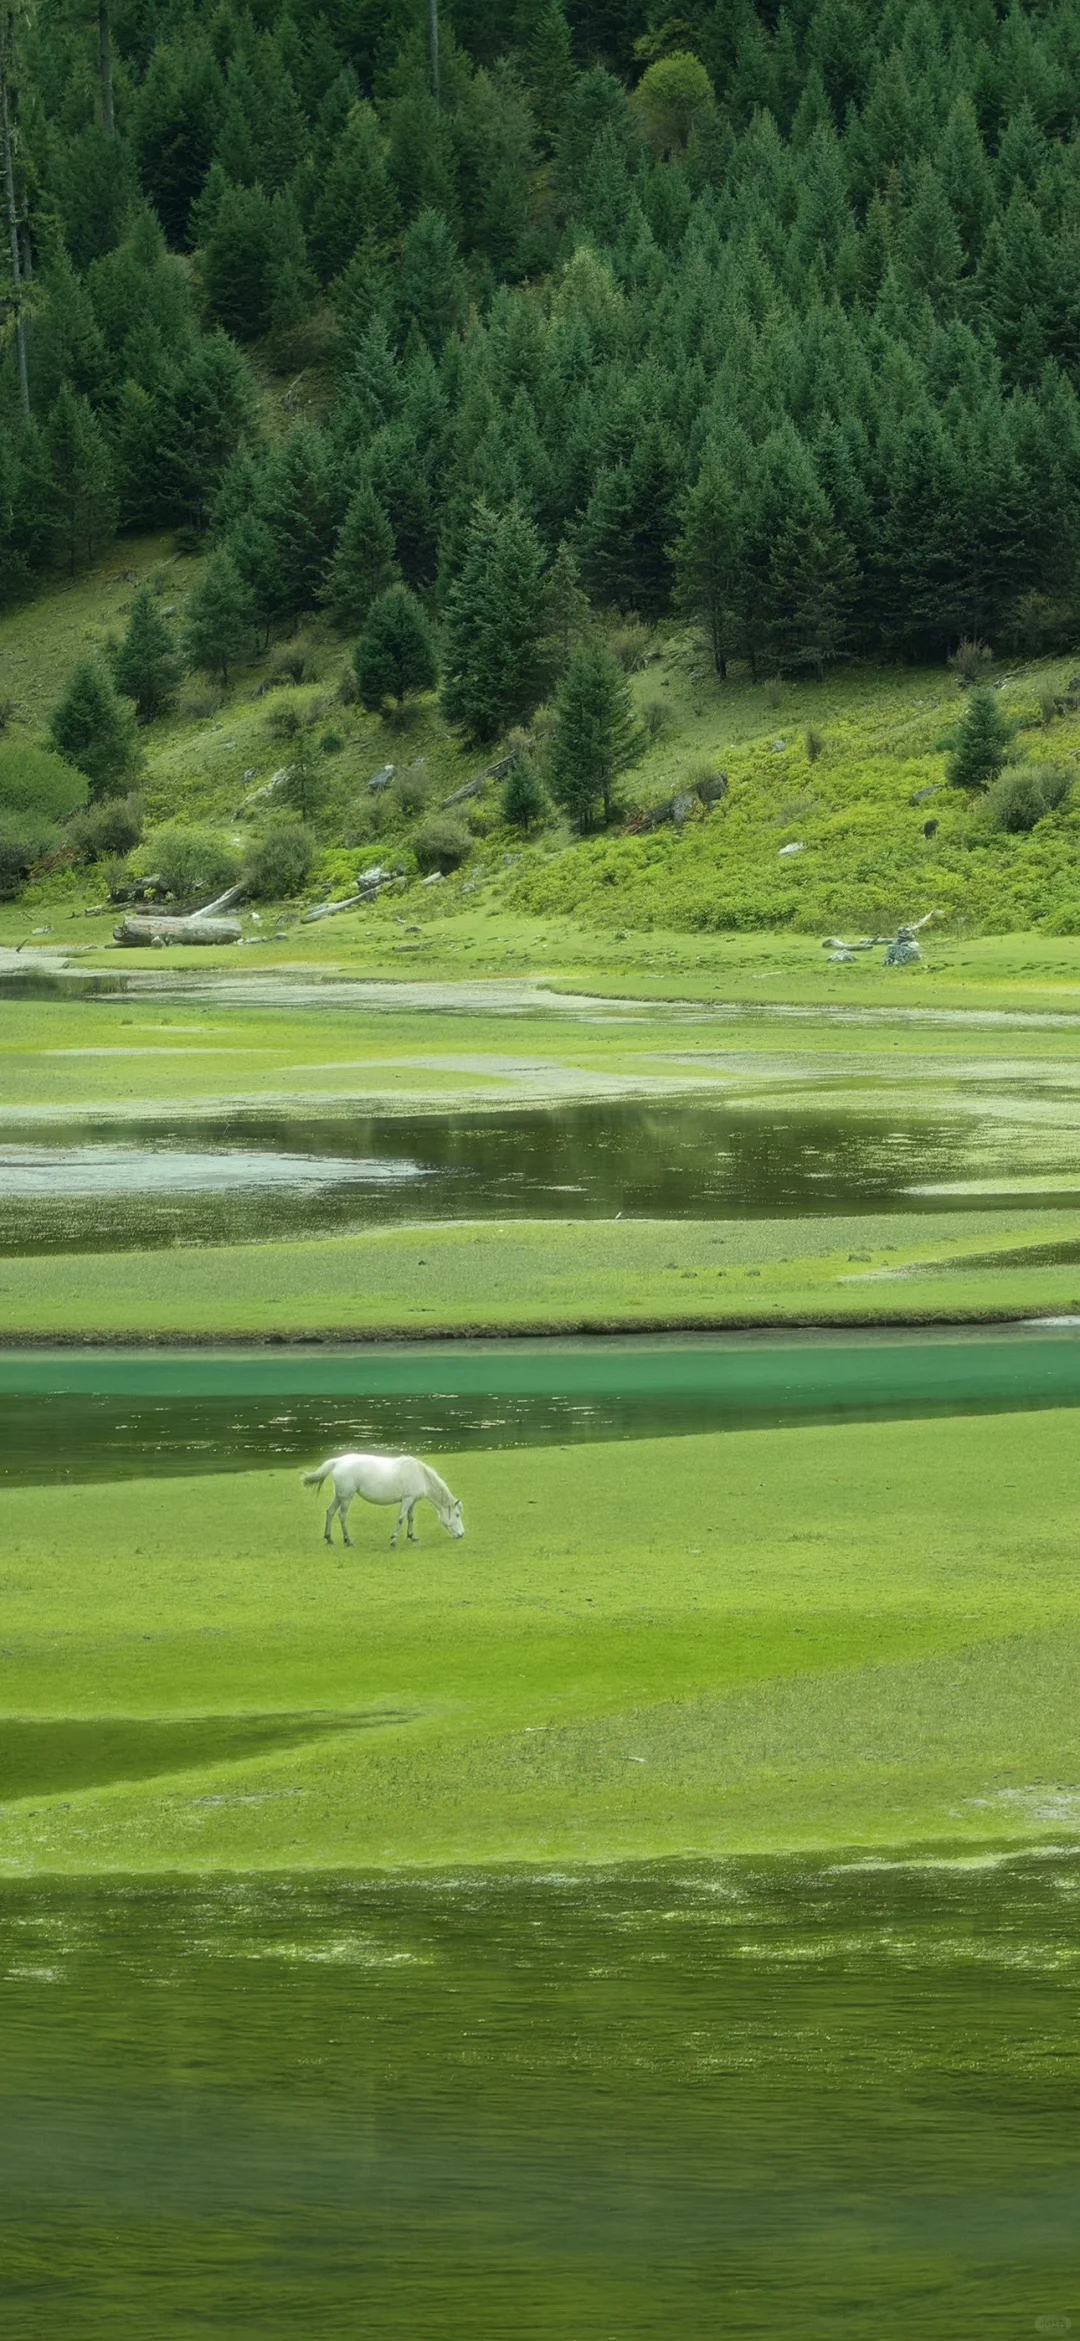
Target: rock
{"x": 786, "y": 851}
{"x": 681, "y": 808}
{"x": 779, "y": 747}
{"x": 434, "y": 878}
{"x": 383, "y": 777}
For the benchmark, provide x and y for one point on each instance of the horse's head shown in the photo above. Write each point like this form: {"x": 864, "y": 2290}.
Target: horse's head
{"x": 451, "y": 1518}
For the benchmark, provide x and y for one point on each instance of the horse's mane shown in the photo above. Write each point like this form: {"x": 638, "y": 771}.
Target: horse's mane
{"x": 435, "y": 1484}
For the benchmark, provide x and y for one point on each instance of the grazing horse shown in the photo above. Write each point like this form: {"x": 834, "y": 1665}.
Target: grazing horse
{"x": 386, "y": 1479}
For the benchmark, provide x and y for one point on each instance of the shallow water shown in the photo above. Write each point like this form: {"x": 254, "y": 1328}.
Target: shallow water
{"x": 762, "y": 2098}
{"x": 79, "y": 1186}
{"x": 82, "y": 1415}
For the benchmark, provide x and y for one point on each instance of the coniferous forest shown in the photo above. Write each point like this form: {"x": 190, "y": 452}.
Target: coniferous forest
{"x": 768, "y": 317}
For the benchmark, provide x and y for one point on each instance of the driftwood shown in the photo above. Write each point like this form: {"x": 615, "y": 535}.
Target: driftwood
{"x": 140, "y": 931}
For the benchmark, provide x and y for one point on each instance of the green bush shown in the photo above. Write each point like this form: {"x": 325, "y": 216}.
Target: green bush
{"x": 106, "y": 830}
{"x": 35, "y": 779}
{"x": 190, "y": 861}
{"x": 442, "y": 843}
{"x": 26, "y": 837}
{"x": 1023, "y": 793}
{"x": 278, "y": 863}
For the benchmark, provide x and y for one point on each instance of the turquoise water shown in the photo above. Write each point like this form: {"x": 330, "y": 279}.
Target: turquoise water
{"x": 109, "y": 1414}
{"x": 738, "y": 2101}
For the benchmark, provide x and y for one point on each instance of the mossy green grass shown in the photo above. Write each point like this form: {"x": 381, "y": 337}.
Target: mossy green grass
{"x": 555, "y": 1276}
{"x": 858, "y": 1635}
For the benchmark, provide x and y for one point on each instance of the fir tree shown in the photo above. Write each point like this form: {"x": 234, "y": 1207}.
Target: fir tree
{"x": 96, "y": 730}
{"x": 395, "y": 656}
{"x": 82, "y": 494}
{"x": 431, "y": 286}
{"x": 595, "y": 738}
{"x": 304, "y": 785}
{"x": 568, "y": 605}
{"x": 496, "y": 613}
{"x": 707, "y": 557}
{"x": 145, "y": 667}
{"x": 524, "y": 799}
{"x": 219, "y": 623}
{"x": 364, "y": 563}
{"x": 981, "y": 743}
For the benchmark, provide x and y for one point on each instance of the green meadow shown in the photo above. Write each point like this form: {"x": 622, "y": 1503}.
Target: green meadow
{"x": 793, "y": 1638}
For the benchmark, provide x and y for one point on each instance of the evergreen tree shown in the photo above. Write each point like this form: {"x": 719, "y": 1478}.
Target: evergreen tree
{"x": 219, "y": 623}
{"x": 355, "y": 199}
{"x": 395, "y": 656}
{"x": 496, "y": 613}
{"x": 145, "y": 667}
{"x": 524, "y": 798}
{"x": 431, "y": 288}
{"x": 707, "y": 557}
{"x": 548, "y": 65}
{"x": 81, "y": 491}
{"x": 595, "y": 738}
{"x": 981, "y": 743}
{"x": 301, "y": 500}
{"x": 568, "y": 605}
{"x": 96, "y": 730}
{"x": 304, "y": 786}
{"x": 629, "y": 526}
{"x": 364, "y": 563}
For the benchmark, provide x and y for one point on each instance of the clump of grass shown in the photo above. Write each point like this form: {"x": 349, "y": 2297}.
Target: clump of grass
{"x": 814, "y": 742}
{"x": 632, "y": 644}
{"x": 655, "y": 719}
{"x": 774, "y": 692}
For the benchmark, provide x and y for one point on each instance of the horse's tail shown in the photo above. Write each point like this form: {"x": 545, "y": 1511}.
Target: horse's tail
{"x": 314, "y": 1479}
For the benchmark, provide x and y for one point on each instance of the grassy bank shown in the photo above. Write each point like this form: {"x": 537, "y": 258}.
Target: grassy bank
{"x": 810, "y": 1637}
{"x": 554, "y": 1276}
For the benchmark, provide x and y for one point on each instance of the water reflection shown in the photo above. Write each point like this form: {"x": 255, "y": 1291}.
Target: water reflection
{"x": 736, "y": 2100}
{"x": 266, "y": 1175}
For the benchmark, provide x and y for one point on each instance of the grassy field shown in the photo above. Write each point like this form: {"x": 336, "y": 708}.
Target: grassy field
{"x": 554, "y": 1276}
{"x": 860, "y": 1635}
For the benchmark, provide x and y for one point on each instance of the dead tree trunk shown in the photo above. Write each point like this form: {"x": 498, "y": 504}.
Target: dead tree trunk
{"x": 7, "y": 157}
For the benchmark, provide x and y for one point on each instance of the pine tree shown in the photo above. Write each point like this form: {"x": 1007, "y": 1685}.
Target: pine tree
{"x": 524, "y": 800}
{"x": 219, "y": 623}
{"x": 145, "y": 667}
{"x": 548, "y": 63}
{"x": 594, "y": 739}
{"x": 301, "y": 502}
{"x": 82, "y": 494}
{"x": 304, "y": 785}
{"x": 629, "y": 525}
{"x": 355, "y": 199}
{"x": 431, "y": 288}
{"x": 981, "y": 743}
{"x": 96, "y": 730}
{"x": 395, "y": 656}
{"x": 496, "y": 613}
{"x": 568, "y": 605}
{"x": 707, "y": 557}
{"x": 364, "y": 563}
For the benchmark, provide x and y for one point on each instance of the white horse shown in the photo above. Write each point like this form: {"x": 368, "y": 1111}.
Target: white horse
{"x": 386, "y": 1479}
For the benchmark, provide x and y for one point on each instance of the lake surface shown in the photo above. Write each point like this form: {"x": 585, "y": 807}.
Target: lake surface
{"x": 81, "y": 1185}
{"x": 741, "y": 2100}
{"x": 85, "y": 1415}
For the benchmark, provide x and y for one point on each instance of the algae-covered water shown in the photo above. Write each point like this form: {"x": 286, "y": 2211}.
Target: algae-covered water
{"x": 741, "y": 2100}
{"x": 88, "y": 1415}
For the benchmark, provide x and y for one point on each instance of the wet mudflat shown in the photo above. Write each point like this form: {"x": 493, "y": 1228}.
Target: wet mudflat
{"x": 81, "y": 1187}
{"x": 764, "y": 2096}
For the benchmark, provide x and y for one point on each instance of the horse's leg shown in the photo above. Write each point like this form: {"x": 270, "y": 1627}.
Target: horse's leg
{"x": 330, "y": 1518}
{"x": 398, "y": 1522}
{"x": 413, "y": 1537}
{"x": 345, "y": 1537}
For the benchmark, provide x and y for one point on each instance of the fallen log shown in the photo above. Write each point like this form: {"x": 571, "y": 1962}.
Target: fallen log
{"x": 139, "y": 932}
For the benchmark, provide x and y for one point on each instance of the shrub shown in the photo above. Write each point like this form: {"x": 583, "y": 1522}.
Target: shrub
{"x": 1065, "y": 919}
{"x": 95, "y": 728}
{"x": 365, "y": 820}
{"x": 814, "y": 742}
{"x": 331, "y": 743}
{"x": 631, "y": 644}
{"x": 278, "y": 863}
{"x": 283, "y": 723}
{"x": 654, "y": 718}
{"x": 774, "y": 693}
{"x": 442, "y": 843}
{"x": 1023, "y": 793}
{"x": 112, "y": 828}
{"x": 408, "y": 794}
{"x": 190, "y": 861}
{"x": 26, "y": 836}
{"x": 35, "y": 779}
{"x": 1048, "y": 708}
{"x": 970, "y": 659}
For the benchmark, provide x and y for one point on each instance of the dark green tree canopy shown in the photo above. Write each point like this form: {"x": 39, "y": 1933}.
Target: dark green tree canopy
{"x": 395, "y": 656}
{"x": 93, "y": 727}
